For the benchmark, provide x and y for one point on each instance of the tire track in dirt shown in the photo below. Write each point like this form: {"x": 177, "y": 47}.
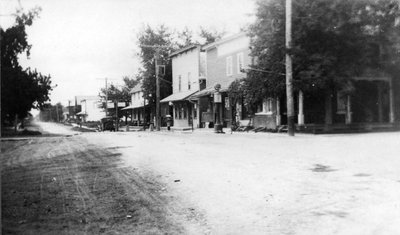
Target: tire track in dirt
{"x": 67, "y": 185}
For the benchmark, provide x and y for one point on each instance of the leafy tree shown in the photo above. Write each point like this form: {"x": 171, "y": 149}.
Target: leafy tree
{"x": 154, "y": 41}
{"x": 21, "y": 89}
{"x": 51, "y": 113}
{"x": 333, "y": 41}
{"x": 118, "y": 94}
{"x": 185, "y": 38}
{"x": 210, "y": 35}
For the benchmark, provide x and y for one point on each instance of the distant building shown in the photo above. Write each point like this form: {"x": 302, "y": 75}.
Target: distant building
{"x": 90, "y": 108}
{"x": 137, "y": 106}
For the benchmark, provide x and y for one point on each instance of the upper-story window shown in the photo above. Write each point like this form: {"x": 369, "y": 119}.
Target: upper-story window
{"x": 179, "y": 83}
{"x": 228, "y": 65}
{"x": 239, "y": 62}
{"x": 189, "y": 82}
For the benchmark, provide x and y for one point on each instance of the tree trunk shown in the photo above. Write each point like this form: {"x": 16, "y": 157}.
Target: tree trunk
{"x": 328, "y": 109}
{"x": 15, "y": 123}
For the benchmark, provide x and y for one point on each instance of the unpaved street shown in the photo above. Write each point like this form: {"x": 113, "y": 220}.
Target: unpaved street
{"x": 202, "y": 183}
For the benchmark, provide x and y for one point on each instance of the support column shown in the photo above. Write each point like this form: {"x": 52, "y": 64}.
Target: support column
{"x": 300, "y": 117}
{"x": 348, "y": 110}
{"x": 380, "y": 106}
{"x": 278, "y": 112}
{"x": 391, "y": 101}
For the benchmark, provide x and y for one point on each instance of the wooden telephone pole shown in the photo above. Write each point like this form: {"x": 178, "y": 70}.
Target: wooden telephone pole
{"x": 158, "y": 107}
{"x": 289, "y": 73}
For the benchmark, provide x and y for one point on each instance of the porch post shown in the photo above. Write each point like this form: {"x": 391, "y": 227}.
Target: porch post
{"x": 301, "y": 111}
{"x": 391, "y": 101}
{"x": 380, "y": 108}
{"x": 278, "y": 112}
{"x": 348, "y": 110}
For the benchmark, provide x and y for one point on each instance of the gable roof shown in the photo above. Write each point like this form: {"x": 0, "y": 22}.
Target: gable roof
{"x": 223, "y": 40}
{"x": 136, "y": 88}
{"x": 187, "y": 48}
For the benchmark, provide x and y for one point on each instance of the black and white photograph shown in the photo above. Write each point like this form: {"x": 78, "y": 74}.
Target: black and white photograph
{"x": 242, "y": 117}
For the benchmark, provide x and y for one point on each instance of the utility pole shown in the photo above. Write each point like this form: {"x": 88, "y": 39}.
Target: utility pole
{"x": 158, "y": 107}
{"x": 289, "y": 72}
{"x": 106, "y": 97}
{"x": 58, "y": 116}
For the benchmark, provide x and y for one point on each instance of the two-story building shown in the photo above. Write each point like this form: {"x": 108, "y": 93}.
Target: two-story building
{"x": 225, "y": 61}
{"x": 137, "y": 106}
{"x": 188, "y": 76}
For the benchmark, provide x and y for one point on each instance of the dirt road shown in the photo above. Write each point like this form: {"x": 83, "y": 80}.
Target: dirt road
{"x": 201, "y": 183}
{"x": 66, "y": 185}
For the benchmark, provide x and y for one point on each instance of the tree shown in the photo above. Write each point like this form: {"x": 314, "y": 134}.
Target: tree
{"x": 51, "y": 113}
{"x": 333, "y": 41}
{"x": 185, "y": 38}
{"x": 210, "y": 35}
{"x": 151, "y": 42}
{"x": 21, "y": 89}
{"x": 116, "y": 94}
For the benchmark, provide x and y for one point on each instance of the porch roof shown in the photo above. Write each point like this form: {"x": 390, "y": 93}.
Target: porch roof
{"x": 134, "y": 106}
{"x": 178, "y": 96}
{"x": 210, "y": 90}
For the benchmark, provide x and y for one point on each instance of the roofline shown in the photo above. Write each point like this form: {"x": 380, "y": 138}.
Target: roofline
{"x": 187, "y": 48}
{"x": 224, "y": 40}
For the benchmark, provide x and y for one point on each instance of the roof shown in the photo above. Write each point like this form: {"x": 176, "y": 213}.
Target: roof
{"x": 136, "y": 88}
{"x": 223, "y": 40}
{"x": 187, "y": 48}
{"x": 210, "y": 90}
{"x": 178, "y": 96}
{"x": 134, "y": 106}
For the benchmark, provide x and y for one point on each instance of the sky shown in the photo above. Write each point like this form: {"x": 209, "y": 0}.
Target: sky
{"x": 80, "y": 43}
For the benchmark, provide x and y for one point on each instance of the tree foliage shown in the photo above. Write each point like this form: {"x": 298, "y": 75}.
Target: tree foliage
{"x": 154, "y": 41}
{"x": 333, "y": 41}
{"x": 118, "y": 94}
{"x": 21, "y": 89}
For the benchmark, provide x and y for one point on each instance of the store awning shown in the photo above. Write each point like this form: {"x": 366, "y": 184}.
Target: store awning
{"x": 178, "y": 96}
{"x": 81, "y": 114}
{"x": 208, "y": 91}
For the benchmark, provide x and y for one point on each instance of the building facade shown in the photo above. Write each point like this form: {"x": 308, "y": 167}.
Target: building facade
{"x": 188, "y": 75}
{"x": 226, "y": 61}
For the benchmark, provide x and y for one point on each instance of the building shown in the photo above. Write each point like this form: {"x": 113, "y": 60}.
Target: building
{"x": 188, "y": 76}
{"x": 138, "y": 106}
{"x": 225, "y": 61}
{"x": 90, "y": 108}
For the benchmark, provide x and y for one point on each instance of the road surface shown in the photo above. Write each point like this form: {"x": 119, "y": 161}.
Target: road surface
{"x": 202, "y": 183}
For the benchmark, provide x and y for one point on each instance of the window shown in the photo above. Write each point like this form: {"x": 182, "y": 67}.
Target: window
{"x": 180, "y": 83}
{"x": 195, "y": 111}
{"x": 184, "y": 110}
{"x": 176, "y": 112}
{"x": 189, "y": 82}
{"x": 239, "y": 62}
{"x": 267, "y": 105}
{"x": 228, "y": 65}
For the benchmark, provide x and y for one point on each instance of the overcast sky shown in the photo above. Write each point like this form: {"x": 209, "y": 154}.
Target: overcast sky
{"x": 78, "y": 42}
